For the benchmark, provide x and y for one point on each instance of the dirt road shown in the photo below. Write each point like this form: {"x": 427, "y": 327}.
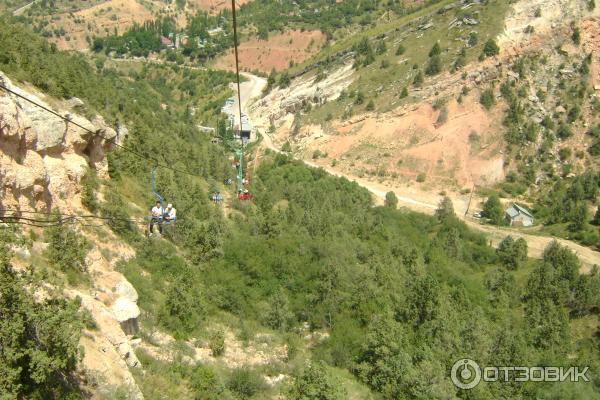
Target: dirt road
{"x": 536, "y": 244}
{"x": 250, "y": 89}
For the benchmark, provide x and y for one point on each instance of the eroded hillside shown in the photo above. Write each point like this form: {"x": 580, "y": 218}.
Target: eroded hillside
{"x": 43, "y": 161}
{"x": 452, "y": 122}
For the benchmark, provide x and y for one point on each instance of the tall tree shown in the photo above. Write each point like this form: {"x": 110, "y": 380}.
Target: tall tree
{"x": 492, "y": 209}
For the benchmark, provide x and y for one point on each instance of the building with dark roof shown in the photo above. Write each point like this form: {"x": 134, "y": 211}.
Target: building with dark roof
{"x": 519, "y": 216}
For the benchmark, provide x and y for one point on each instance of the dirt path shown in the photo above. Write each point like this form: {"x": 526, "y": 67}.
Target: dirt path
{"x": 427, "y": 203}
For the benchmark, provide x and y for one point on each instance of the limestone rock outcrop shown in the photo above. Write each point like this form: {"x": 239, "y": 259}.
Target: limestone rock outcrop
{"x": 43, "y": 157}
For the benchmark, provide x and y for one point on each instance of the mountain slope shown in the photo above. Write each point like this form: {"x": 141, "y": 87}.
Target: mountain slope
{"x": 310, "y": 290}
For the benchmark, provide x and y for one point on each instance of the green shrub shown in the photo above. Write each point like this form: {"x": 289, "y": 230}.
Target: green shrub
{"x": 89, "y": 186}
{"x": 205, "y": 383}
{"x": 217, "y": 343}
{"x": 493, "y": 210}
{"x": 115, "y": 209}
{"x": 434, "y": 65}
{"x": 245, "y": 383}
{"x": 391, "y": 200}
{"x": 436, "y": 50}
{"x": 360, "y": 98}
{"x": 564, "y": 131}
{"x": 473, "y": 39}
{"x": 278, "y": 315}
{"x": 421, "y": 177}
{"x": 512, "y": 253}
{"x": 418, "y": 80}
{"x": 491, "y": 48}
{"x": 487, "y": 98}
{"x": 315, "y": 382}
{"x": 576, "y": 36}
{"x": 284, "y": 79}
{"x": 594, "y": 149}
{"x": 564, "y": 153}
{"x": 183, "y": 309}
{"x": 67, "y": 248}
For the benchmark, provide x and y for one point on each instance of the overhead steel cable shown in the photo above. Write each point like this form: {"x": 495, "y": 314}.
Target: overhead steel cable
{"x": 64, "y": 218}
{"x": 237, "y": 62}
{"x": 113, "y": 141}
{"x": 51, "y": 214}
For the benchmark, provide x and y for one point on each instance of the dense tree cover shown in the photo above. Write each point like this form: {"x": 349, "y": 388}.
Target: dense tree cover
{"x": 139, "y": 40}
{"x": 38, "y": 336}
{"x": 195, "y": 40}
{"x": 568, "y": 202}
{"x": 67, "y": 250}
{"x": 396, "y": 341}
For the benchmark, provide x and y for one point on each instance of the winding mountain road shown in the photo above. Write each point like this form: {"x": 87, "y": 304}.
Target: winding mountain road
{"x": 536, "y": 244}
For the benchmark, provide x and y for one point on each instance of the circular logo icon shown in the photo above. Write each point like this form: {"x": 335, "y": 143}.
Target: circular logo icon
{"x": 465, "y": 374}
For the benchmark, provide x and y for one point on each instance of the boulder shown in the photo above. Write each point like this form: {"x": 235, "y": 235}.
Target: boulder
{"x": 77, "y": 137}
{"x": 49, "y": 129}
{"x": 126, "y": 312}
{"x": 102, "y": 129}
{"x": 122, "y": 133}
{"x": 125, "y": 309}
{"x": 125, "y": 290}
{"x": 75, "y": 102}
{"x": 127, "y": 354}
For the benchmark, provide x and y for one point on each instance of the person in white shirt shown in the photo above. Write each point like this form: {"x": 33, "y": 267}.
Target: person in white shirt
{"x": 157, "y": 217}
{"x": 170, "y": 213}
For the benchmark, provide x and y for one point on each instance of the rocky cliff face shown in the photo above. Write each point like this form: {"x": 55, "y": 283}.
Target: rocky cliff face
{"x": 42, "y": 161}
{"x": 42, "y": 157}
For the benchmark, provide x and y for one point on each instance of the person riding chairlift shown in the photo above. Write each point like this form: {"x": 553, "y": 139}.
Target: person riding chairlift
{"x": 217, "y": 197}
{"x": 170, "y": 214}
{"x": 244, "y": 195}
{"x": 157, "y": 215}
